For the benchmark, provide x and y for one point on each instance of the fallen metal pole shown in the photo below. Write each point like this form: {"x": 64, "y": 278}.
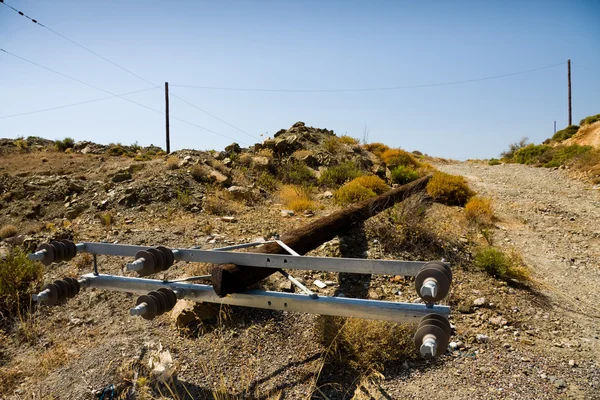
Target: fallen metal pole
{"x": 334, "y": 306}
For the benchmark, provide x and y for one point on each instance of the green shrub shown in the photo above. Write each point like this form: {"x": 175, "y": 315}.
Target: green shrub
{"x": 533, "y": 154}
{"x": 501, "y": 265}
{"x": 338, "y": 174}
{"x": 19, "y": 277}
{"x": 562, "y": 155}
{"x": 66, "y": 143}
{"x": 448, "y": 189}
{"x": 353, "y": 192}
{"x": 566, "y": 133}
{"x": 296, "y": 173}
{"x": 403, "y": 174}
{"x": 590, "y": 119}
{"x": 267, "y": 182}
{"x": 494, "y": 161}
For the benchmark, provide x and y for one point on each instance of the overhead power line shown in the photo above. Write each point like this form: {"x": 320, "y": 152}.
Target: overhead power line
{"x": 121, "y": 67}
{"x": 375, "y": 89}
{"x": 76, "y": 104}
{"x": 116, "y": 95}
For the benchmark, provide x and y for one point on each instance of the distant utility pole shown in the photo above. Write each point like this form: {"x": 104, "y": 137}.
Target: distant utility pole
{"x": 555, "y": 127}
{"x": 167, "y": 114}
{"x": 570, "y": 109}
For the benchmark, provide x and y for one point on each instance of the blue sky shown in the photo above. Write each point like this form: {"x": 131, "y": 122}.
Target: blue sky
{"x": 302, "y": 45}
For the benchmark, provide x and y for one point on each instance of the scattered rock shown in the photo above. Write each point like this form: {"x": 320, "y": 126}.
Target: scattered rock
{"x": 220, "y": 178}
{"x": 479, "y": 302}
{"x": 319, "y": 284}
{"x": 481, "y": 338}
{"x": 121, "y": 177}
{"x": 287, "y": 213}
{"x": 572, "y": 363}
{"x": 229, "y": 219}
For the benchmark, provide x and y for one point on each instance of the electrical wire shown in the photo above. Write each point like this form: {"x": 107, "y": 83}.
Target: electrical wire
{"x": 371, "y": 89}
{"x": 119, "y": 96}
{"x": 122, "y": 68}
{"x": 76, "y": 104}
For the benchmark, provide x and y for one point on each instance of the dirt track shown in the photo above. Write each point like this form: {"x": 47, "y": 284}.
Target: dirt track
{"x": 554, "y": 222}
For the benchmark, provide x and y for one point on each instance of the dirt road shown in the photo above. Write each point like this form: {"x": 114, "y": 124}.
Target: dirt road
{"x": 554, "y": 222}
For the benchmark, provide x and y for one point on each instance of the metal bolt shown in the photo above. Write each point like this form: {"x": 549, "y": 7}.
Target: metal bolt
{"x": 37, "y": 256}
{"x": 140, "y": 309}
{"x": 136, "y": 265}
{"x": 179, "y": 293}
{"x": 429, "y": 346}
{"x": 41, "y": 296}
{"x": 429, "y": 288}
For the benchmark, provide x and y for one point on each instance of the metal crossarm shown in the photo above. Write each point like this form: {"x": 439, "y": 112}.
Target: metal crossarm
{"x": 336, "y": 306}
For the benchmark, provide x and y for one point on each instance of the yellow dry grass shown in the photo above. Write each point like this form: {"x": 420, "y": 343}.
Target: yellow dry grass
{"x": 296, "y": 198}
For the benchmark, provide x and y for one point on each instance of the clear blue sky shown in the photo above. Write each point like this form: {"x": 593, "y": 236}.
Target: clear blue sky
{"x": 323, "y": 44}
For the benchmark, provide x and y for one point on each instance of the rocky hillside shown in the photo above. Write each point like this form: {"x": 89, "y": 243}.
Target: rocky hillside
{"x": 511, "y": 339}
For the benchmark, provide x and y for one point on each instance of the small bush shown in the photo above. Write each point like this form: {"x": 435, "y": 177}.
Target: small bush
{"x": 494, "y": 161}
{"x": 135, "y": 147}
{"x": 353, "y": 192}
{"x": 200, "y": 173}
{"x": 296, "y": 198}
{"x": 19, "y": 277}
{"x": 106, "y": 219}
{"x": 8, "y": 231}
{"x": 184, "y": 197}
{"x": 403, "y": 175}
{"x": 478, "y": 210}
{"x": 395, "y": 157}
{"x": 568, "y": 154}
{"x": 501, "y": 265}
{"x": 219, "y": 202}
{"x": 245, "y": 160}
{"x": 267, "y": 182}
{"x": 332, "y": 144}
{"x": 566, "y": 133}
{"x": 590, "y": 119}
{"x": 513, "y": 147}
{"x": 365, "y": 345}
{"x": 348, "y": 140}
{"x": 66, "y": 143}
{"x": 22, "y": 144}
{"x": 173, "y": 163}
{"x": 532, "y": 154}
{"x": 117, "y": 150}
{"x": 338, "y": 174}
{"x": 373, "y": 182}
{"x": 296, "y": 173}
{"x": 377, "y": 148}
{"x": 448, "y": 189}
{"x": 142, "y": 157}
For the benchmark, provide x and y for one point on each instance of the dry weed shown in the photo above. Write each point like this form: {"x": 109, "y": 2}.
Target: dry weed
{"x": 451, "y": 190}
{"x": 8, "y": 231}
{"x": 479, "y": 211}
{"x": 296, "y": 198}
{"x": 373, "y": 182}
{"x": 377, "y": 148}
{"x": 219, "y": 202}
{"x": 173, "y": 162}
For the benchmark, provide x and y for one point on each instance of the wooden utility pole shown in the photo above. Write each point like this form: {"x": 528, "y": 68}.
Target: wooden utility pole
{"x": 167, "y": 114}
{"x": 570, "y": 110}
{"x": 555, "y": 127}
{"x": 231, "y": 278}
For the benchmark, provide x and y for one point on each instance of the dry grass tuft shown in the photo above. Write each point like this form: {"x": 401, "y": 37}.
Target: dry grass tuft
{"x": 365, "y": 345}
{"x": 348, "y": 140}
{"x": 377, "y": 148}
{"x": 451, "y": 190}
{"x": 297, "y": 198}
{"x": 479, "y": 211}
{"x": 333, "y": 145}
{"x": 504, "y": 266}
{"x": 373, "y": 182}
{"x": 219, "y": 202}
{"x": 173, "y": 163}
{"x": 8, "y": 231}
{"x": 395, "y": 157}
{"x": 200, "y": 173}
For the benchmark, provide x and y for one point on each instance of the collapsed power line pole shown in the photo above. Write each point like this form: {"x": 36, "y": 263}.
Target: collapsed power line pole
{"x": 167, "y": 116}
{"x": 231, "y": 278}
{"x": 569, "y": 77}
